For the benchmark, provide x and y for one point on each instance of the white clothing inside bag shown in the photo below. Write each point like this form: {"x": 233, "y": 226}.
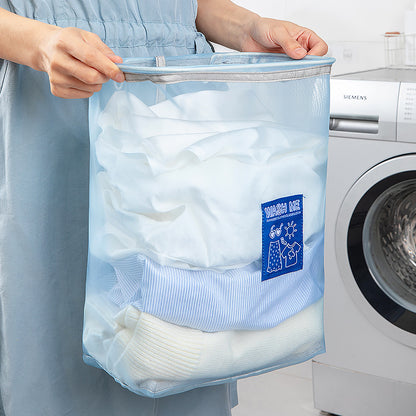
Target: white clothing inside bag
{"x": 189, "y": 209}
{"x": 206, "y": 219}
{"x": 137, "y": 348}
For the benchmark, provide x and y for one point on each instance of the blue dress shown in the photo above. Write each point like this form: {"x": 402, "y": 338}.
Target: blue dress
{"x": 44, "y": 160}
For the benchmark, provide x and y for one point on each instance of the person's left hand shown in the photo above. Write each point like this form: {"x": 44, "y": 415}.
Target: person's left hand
{"x": 270, "y": 35}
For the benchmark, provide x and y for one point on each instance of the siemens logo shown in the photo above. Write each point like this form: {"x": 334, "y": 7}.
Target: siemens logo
{"x": 355, "y": 97}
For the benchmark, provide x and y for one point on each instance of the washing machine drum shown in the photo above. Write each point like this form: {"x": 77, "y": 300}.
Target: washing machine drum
{"x": 389, "y": 242}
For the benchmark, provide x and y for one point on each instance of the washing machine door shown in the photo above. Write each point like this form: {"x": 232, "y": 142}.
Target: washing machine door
{"x": 376, "y": 246}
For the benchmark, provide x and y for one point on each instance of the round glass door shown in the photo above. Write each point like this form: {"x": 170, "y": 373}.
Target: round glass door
{"x": 389, "y": 243}
{"x": 381, "y": 247}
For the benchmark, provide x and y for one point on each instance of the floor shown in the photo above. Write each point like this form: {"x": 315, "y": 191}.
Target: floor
{"x": 286, "y": 392}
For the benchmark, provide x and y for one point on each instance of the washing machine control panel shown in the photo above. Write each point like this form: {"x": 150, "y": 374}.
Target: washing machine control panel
{"x": 364, "y": 109}
{"x": 376, "y": 104}
{"x": 406, "y": 114}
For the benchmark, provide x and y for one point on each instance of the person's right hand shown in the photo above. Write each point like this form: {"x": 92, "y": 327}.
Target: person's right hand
{"x": 77, "y": 62}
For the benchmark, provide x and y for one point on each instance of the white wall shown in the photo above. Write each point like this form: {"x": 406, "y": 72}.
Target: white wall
{"x": 353, "y": 29}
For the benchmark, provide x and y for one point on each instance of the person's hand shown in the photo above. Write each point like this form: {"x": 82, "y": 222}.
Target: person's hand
{"x": 77, "y": 62}
{"x": 270, "y": 35}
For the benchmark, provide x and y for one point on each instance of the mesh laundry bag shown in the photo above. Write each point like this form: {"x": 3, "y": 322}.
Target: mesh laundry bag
{"x": 207, "y": 203}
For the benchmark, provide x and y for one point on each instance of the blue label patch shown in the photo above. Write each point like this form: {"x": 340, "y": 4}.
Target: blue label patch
{"x": 282, "y": 230}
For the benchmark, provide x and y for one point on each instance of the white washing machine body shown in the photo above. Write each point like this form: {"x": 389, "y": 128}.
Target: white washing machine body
{"x": 369, "y": 368}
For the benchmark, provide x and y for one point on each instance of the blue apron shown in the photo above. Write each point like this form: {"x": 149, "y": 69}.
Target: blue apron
{"x": 44, "y": 159}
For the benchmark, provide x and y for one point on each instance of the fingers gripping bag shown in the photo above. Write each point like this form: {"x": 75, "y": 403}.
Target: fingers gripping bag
{"x": 207, "y": 198}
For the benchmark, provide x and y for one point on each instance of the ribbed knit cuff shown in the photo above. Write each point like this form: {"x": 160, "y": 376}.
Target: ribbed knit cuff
{"x": 146, "y": 348}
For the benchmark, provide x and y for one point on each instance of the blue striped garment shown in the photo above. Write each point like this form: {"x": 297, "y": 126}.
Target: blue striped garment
{"x": 212, "y": 301}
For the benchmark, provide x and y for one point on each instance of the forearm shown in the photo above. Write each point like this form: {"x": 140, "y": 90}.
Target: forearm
{"x": 225, "y": 23}
{"x": 20, "y": 38}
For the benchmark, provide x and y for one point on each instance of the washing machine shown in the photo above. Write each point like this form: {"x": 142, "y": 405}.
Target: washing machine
{"x": 369, "y": 368}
